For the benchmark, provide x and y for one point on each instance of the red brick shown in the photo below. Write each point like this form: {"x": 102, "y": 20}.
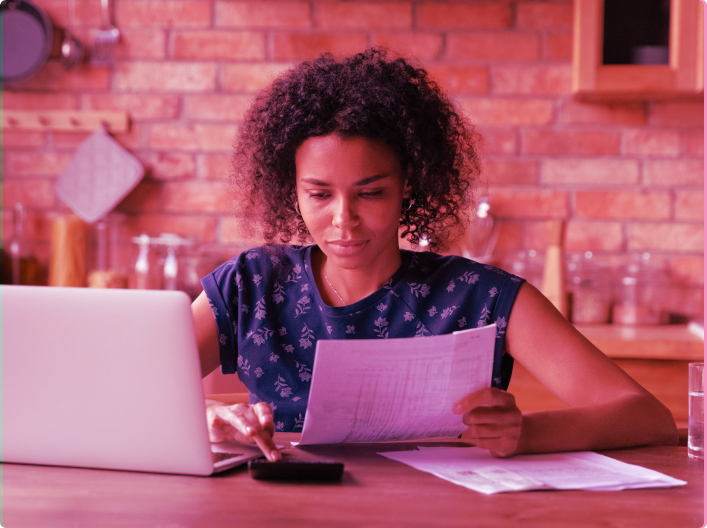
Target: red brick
{"x": 35, "y": 163}
{"x": 294, "y": 46}
{"x": 575, "y": 112}
{"x": 36, "y": 101}
{"x": 674, "y": 172}
{"x": 509, "y": 111}
{"x": 689, "y": 269}
{"x": 145, "y": 198}
{"x": 169, "y": 165}
{"x": 558, "y": 46}
{"x": 538, "y": 15}
{"x": 498, "y": 141}
{"x": 592, "y": 171}
{"x": 361, "y": 15}
{"x": 690, "y": 205}
{"x": 130, "y": 140}
{"x": 86, "y": 12}
{"x": 192, "y": 137}
{"x": 32, "y": 193}
{"x": 214, "y": 166}
{"x": 567, "y": 142}
{"x": 593, "y": 236}
{"x": 167, "y": 13}
{"x": 216, "y": 107}
{"x": 462, "y": 16}
{"x": 666, "y": 237}
{"x": 464, "y": 80}
{"x": 201, "y": 227}
{"x": 540, "y": 79}
{"x": 249, "y": 77}
{"x": 536, "y": 238}
{"x": 140, "y": 44}
{"x": 407, "y": 44}
{"x": 506, "y": 172}
{"x": 677, "y": 113}
{"x": 506, "y": 45}
{"x": 53, "y": 76}
{"x": 212, "y": 44}
{"x": 695, "y": 142}
{"x": 652, "y": 142}
{"x": 138, "y": 106}
{"x": 510, "y": 236}
{"x": 21, "y": 138}
{"x": 622, "y": 204}
{"x": 236, "y": 231}
{"x": 535, "y": 203}
{"x": 263, "y": 14}
{"x": 202, "y": 196}
{"x": 165, "y": 76}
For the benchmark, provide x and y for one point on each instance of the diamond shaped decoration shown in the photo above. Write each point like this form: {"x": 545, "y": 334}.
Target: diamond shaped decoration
{"x": 101, "y": 174}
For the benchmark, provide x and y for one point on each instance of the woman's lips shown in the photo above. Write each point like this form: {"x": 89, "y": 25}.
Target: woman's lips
{"x": 346, "y": 247}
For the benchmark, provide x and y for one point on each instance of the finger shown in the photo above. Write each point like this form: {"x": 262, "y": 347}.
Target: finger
{"x": 489, "y": 397}
{"x": 506, "y": 416}
{"x": 489, "y": 431}
{"x": 248, "y": 420}
{"x": 264, "y": 414}
{"x": 241, "y": 417}
{"x": 267, "y": 446}
{"x": 498, "y": 447}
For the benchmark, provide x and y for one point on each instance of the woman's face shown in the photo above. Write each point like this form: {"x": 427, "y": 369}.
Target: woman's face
{"x": 350, "y": 194}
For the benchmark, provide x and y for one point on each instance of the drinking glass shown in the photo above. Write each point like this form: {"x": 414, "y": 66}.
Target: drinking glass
{"x": 696, "y": 410}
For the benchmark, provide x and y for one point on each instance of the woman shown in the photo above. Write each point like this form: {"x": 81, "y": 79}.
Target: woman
{"x": 354, "y": 155}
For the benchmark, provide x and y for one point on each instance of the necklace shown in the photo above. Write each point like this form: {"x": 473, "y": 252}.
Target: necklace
{"x": 332, "y": 287}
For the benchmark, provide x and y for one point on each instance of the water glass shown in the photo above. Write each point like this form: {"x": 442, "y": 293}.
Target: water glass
{"x": 696, "y": 410}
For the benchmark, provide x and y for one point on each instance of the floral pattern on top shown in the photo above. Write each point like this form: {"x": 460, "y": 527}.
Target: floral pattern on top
{"x": 269, "y": 316}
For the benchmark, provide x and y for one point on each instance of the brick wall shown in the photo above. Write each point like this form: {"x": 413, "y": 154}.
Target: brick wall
{"x": 626, "y": 176}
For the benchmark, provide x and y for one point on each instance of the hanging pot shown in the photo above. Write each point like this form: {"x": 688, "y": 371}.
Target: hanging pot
{"x": 26, "y": 39}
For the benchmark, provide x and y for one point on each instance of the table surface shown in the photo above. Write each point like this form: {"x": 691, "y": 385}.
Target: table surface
{"x": 375, "y": 491}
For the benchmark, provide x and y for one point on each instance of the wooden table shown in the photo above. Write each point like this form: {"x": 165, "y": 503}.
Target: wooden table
{"x": 375, "y": 491}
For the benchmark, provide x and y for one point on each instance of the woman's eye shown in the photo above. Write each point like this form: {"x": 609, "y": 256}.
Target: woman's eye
{"x": 319, "y": 196}
{"x": 371, "y": 194}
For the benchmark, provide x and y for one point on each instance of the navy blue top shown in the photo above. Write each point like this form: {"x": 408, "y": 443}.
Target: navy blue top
{"x": 269, "y": 315}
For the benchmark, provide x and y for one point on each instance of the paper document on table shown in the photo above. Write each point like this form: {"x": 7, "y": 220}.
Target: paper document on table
{"x": 366, "y": 390}
{"x": 476, "y": 469}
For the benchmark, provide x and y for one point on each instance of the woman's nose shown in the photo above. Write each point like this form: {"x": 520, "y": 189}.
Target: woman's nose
{"x": 345, "y": 214}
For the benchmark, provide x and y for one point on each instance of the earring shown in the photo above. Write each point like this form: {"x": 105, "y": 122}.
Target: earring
{"x": 297, "y": 208}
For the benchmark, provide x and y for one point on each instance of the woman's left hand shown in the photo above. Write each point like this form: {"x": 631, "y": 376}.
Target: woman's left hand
{"x": 494, "y": 421}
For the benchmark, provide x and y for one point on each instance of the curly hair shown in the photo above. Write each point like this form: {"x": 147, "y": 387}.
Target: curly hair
{"x": 366, "y": 95}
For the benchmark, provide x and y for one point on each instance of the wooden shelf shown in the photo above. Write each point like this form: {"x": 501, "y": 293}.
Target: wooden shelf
{"x": 683, "y": 77}
{"x": 65, "y": 120}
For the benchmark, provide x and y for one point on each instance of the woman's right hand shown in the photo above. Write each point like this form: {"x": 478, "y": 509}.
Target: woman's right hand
{"x": 243, "y": 423}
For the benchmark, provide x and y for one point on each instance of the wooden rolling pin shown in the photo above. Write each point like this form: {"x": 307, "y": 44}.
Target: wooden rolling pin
{"x": 68, "y": 263}
{"x": 554, "y": 276}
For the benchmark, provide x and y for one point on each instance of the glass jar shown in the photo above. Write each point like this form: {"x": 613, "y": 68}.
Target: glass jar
{"x": 640, "y": 290}
{"x": 590, "y": 289}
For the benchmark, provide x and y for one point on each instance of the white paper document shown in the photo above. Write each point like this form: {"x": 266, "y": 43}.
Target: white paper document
{"x": 367, "y": 390}
{"x": 476, "y": 469}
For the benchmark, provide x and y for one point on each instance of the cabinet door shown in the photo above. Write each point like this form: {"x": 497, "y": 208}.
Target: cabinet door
{"x": 683, "y": 76}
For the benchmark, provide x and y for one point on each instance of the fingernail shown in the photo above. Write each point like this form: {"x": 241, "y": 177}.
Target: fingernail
{"x": 250, "y": 430}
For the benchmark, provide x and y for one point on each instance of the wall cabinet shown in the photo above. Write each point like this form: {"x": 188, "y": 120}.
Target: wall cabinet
{"x": 682, "y": 77}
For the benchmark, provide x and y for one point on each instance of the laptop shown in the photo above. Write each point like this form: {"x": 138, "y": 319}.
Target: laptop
{"x": 105, "y": 378}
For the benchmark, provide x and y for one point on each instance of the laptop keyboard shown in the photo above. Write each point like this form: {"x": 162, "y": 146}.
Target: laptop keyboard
{"x": 219, "y": 457}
